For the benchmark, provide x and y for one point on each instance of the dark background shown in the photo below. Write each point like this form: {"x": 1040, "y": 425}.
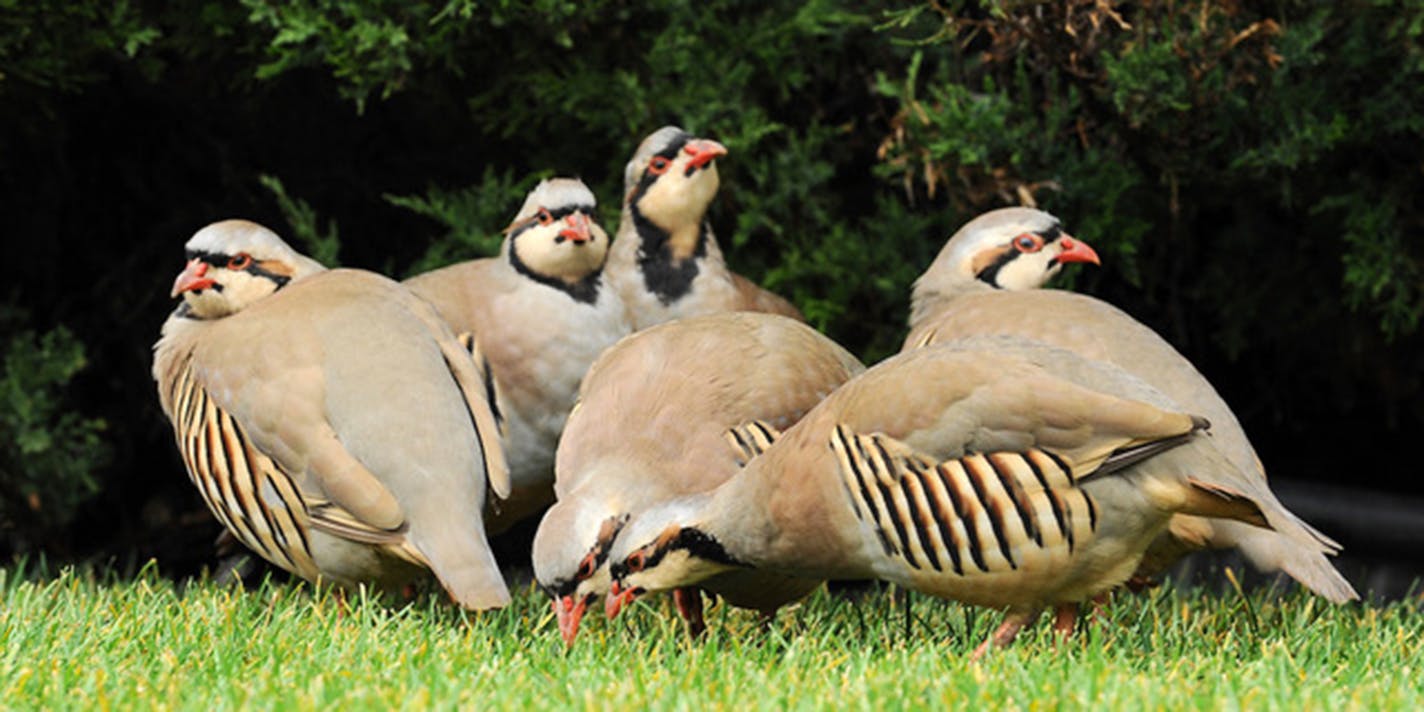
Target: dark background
{"x": 1249, "y": 172}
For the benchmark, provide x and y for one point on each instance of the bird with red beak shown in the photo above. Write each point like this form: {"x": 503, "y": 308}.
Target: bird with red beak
{"x": 541, "y": 312}
{"x": 665, "y": 262}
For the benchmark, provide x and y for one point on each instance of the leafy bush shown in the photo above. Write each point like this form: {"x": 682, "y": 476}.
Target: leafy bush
{"x": 49, "y": 453}
{"x": 1160, "y": 127}
{"x": 1249, "y": 170}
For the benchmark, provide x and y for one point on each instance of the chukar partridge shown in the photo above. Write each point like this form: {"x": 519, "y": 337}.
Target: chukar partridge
{"x": 995, "y": 471}
{"x": 669, "y": 411}
{"x": 543, "y": 313}
{"x": 665, "y": 262}
{"x": 985, "y": 281}
{"x": 330, "y": 420}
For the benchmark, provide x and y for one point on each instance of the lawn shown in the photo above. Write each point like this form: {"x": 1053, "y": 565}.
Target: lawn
{"x": 80, "y": 640}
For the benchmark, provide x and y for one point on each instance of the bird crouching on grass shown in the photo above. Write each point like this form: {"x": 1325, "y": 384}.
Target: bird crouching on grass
{"x": 543, "y": 312}
{"x": 670, "y": 411}
{"x": 994, "y": 471}
{"x": 329, "y": 418}
{"x": 665, "y": 261}
{"x": 986, "y": 280}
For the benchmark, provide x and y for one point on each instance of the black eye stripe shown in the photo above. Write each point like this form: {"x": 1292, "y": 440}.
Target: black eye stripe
{"x": 567, "y": 210}
{"x": 670, "y": 152}
{"x": 254, "y": 267}
{"x": 212, "y": 259}
{"x": 556, "y": 214}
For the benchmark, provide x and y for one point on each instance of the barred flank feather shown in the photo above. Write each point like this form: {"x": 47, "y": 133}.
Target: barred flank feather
{"x": 246, "y": 491}
{"x": 981, "y": 513}
{"x": 751, "y": 439}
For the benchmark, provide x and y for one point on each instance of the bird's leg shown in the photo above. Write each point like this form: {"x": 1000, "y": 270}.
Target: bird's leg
{"x": 1064, "y": 618}
{"x": 689, "y": 606}
{"x": 1014, "y": 621}
{"x": 342, "y": 607}
{"x": 1099, "y": 612}
{"x": 1138, "y": 584}
{"x": 765, "y": 619}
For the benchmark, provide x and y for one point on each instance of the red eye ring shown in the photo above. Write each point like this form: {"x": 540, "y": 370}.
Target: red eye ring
{"x": 1028, "y": 242}
{"x": 240, "y": 261}
{"x": 636, "y": 561}
{"x": 585, "y": 568}
{"x": 545, "y": 217}
{"x": 658, "y": 165}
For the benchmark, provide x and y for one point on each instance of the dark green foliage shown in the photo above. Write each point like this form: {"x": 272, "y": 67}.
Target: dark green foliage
{"x": 1161, "y": 126}
{"x": 305, "y": 231}
{"x": 62, "y": 45}
{"x": 49, "y": 451}
{"x": 1250, "y": 171}
{"x": 469, "y": 214}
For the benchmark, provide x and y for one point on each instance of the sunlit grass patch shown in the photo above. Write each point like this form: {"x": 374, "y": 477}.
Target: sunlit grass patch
{"x": 89, "y": 641}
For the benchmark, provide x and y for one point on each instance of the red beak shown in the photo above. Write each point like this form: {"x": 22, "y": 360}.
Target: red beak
{"x": 703, "y": 151}
{"x": 192, "y": 278}
{"x": 1076, "y": 251}
{"x": 613, "y": 600}
{"x": 576, "y": 228}
{"x": 617, "y": 598}
{"x": 569, "y": 614}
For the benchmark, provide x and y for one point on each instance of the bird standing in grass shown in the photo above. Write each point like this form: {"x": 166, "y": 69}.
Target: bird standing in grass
{"x": 669, "y": 411}
{"x": 985, "y": 281}
{"x": 543, "y": 313}
{"x": 665, "y": 262}
{"x": 330, "y": 419}
{"x": 996, "y": 471}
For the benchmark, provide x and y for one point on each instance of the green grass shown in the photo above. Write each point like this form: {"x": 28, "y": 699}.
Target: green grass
{"x": 83, "y": 641}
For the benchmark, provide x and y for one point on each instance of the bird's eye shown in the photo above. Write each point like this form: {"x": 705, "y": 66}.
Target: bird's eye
{"x": 545, "y": 217}
{"x": 636, "y": 561}
{"x": 240, "y": 261}
{"x": 658, "y": 165}
{"x": 1028, "y": 243}
{"x": 585, "y": 568}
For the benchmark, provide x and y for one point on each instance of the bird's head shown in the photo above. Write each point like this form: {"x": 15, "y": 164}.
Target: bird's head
{"x": 672, "y": 177}
{"x": 1010, "y": 248}
{"x": 554, "y": 236}
{"x": 232, "y": 264}
{"x": 659, "y": 550}
{"x": 570, "y": 559}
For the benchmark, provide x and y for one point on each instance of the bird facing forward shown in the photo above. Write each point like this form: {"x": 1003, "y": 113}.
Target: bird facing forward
{"x": 665, "y": 262}
{"x": 330, "y": 420}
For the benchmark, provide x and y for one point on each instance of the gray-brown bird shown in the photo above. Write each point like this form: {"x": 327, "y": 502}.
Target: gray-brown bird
{"x": 330, "y": 419}
{"x": 543, "y": 313}
{"x": 985, "y": 281}
{"x": 653, "y": 423}
{"x": 996, "y": 471}
{"x": 665, "y": 261}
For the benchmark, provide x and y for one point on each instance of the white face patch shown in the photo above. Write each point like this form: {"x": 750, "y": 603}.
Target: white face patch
{"x": 221, "y": 241}
{"x": 541, "y": 249}
{"x": 239, "y": 290}
{"x": 677, "y": 202}
{"x": 1028, "y": 270}
{"x": 596, "y": 585}
{"x": 676, "y": 569}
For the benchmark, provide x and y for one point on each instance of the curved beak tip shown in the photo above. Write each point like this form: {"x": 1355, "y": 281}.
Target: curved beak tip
{"x": 703, "y": 151}
{"x": 577, "y": 230}
{"x": 1075, "y": 250}
{"x": 569, "y": 616}
{"x": 192, "y": 278}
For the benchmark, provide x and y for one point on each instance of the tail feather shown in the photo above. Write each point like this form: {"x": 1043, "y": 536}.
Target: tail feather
{"x": 1288, "y": 545}
{"x": 1301, "y": 554}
